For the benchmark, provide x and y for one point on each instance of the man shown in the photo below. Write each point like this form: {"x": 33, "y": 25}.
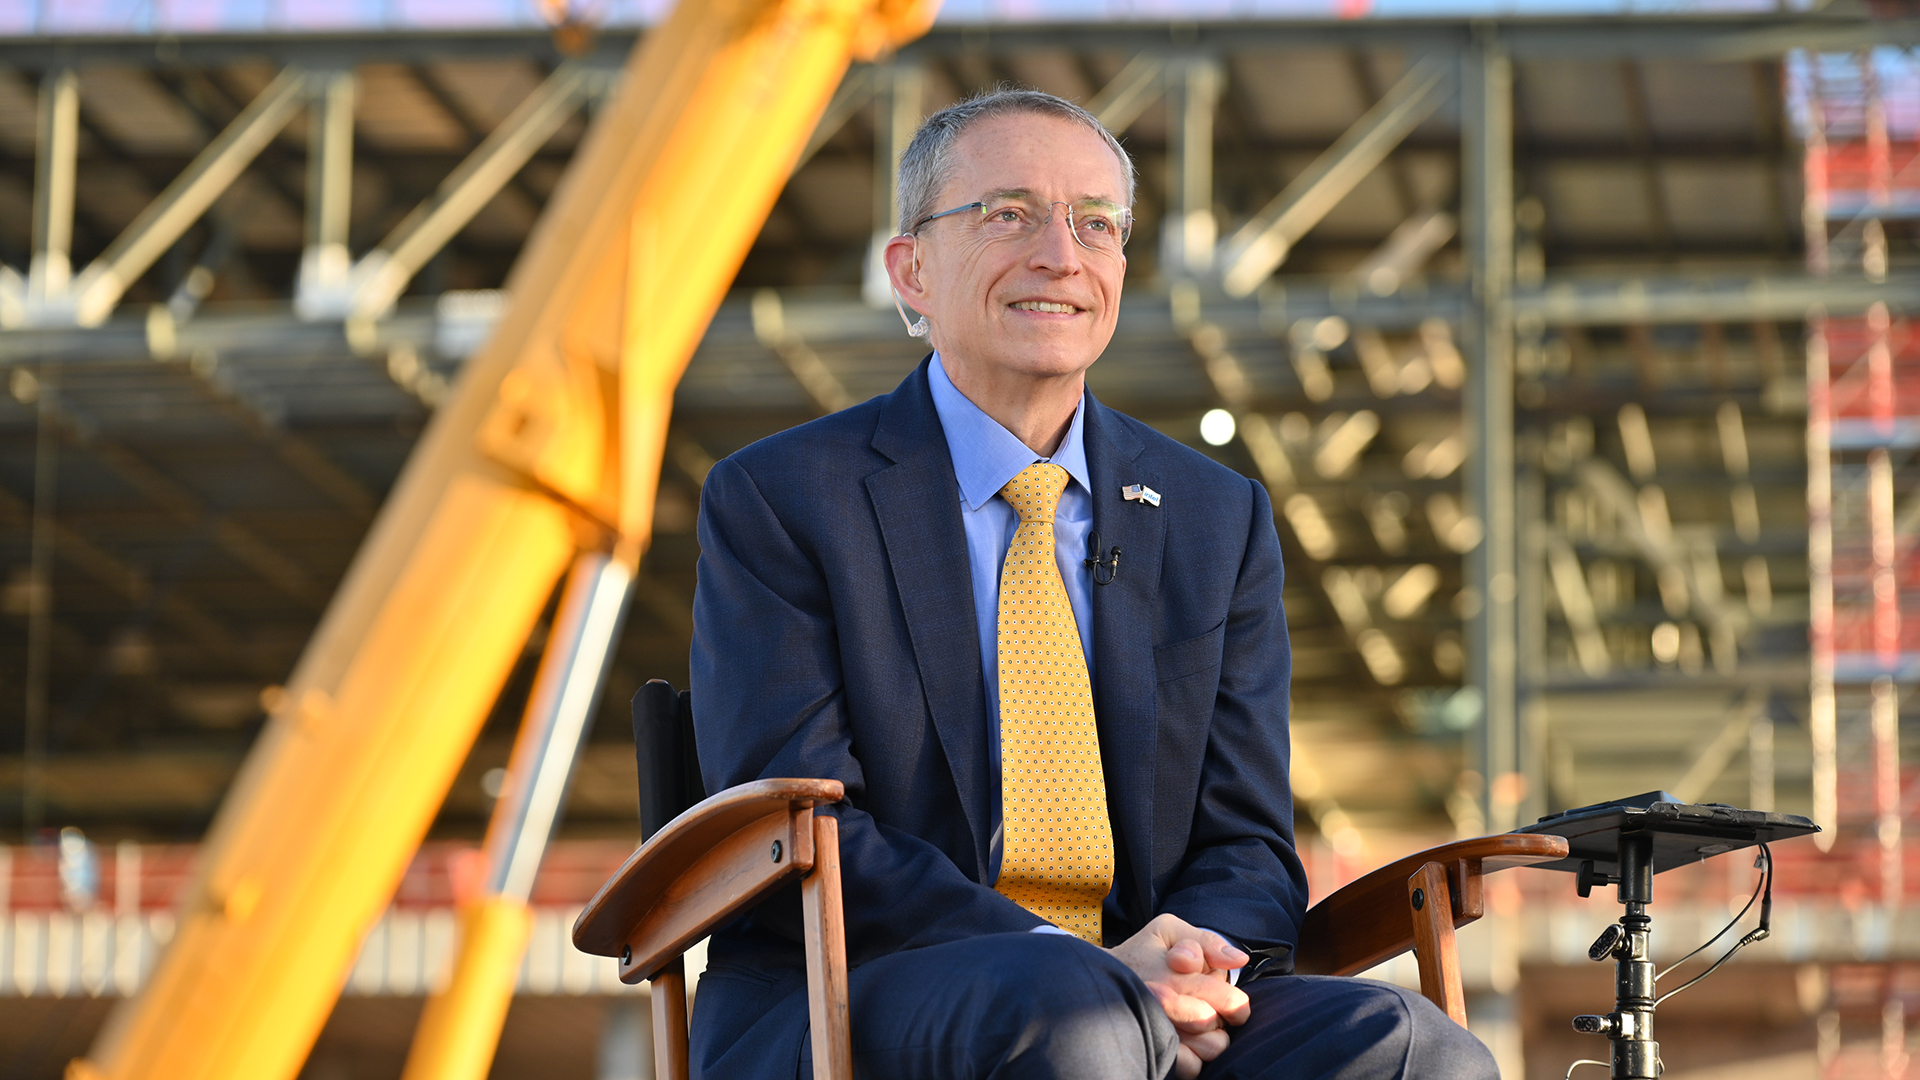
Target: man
{"x": 1043, "y": 647}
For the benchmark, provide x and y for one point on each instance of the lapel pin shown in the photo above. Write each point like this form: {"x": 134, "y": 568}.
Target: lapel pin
{"x": 1140, "y": 493}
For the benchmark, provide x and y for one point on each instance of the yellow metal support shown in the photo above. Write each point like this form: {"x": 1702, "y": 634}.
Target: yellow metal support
{"x": 461, "y": 1024}
{"x": 550, "y": 443}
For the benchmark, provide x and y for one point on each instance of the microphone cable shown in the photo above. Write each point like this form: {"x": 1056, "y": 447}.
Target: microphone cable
{"x": 1762, "y": 891}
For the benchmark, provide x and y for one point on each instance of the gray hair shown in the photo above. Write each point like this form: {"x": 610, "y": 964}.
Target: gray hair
{"x": 928, "y": 161}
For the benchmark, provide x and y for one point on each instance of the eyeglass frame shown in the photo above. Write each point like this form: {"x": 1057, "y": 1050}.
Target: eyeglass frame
{"x": 1126, "y": 231}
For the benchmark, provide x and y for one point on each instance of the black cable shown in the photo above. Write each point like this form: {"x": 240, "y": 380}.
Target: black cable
{"x": 1758, "y": 933}
{"x": 1765, "y": 877}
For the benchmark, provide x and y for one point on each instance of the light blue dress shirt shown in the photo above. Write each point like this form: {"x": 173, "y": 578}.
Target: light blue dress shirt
{"x": 986, "y": 457}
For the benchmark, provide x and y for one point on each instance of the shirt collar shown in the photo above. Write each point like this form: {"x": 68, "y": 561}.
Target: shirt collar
{"x": 985, "y": 454}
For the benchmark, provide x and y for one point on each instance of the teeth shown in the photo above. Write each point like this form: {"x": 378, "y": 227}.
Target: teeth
{"x": 1042, "y": 305}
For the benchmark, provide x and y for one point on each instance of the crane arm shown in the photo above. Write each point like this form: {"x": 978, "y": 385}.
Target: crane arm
{"x": 549, "y": 445}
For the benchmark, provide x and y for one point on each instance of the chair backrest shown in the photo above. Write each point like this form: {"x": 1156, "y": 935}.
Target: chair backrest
{"x": 664, "y": 749}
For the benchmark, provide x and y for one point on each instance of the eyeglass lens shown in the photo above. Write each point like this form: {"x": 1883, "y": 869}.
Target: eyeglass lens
{"x": 1098, "y": 225}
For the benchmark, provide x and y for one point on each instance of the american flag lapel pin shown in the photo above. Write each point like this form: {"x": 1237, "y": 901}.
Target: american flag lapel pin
{"x": 1140, "y": 493}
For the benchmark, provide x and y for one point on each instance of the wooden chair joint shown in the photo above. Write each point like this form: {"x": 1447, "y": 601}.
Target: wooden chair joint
{"x": 1430, "y": 902}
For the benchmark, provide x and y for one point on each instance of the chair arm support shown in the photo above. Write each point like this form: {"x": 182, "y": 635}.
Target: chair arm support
{"x": 706, "y": 866}
{"x": 1365, "y": 922}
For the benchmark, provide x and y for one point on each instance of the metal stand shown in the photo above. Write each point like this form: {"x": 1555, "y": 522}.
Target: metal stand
{"x": 1639, "y": 837}
{"x": 1636, "y": 1056}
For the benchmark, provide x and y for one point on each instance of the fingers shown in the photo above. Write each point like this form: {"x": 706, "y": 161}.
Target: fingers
{"x": 1186, "y": 1063}
{"x": 1170, "y": 928}
{"x": 1190, "y": 1014}
{"x": 1187, "y": 957}
{"x": 1229, "y": 1002}
{"x": 1193, "y": 1014}
{"x": 1238, "y": 1006}
{"x": 1218, "y": 953}
{"x": 1206, "y": 1045}
{"x": 1208, "y": 949}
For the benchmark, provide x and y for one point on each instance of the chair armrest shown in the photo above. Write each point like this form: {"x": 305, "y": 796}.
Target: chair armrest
{"x": 1366, "y": 921}
{"x": 703, "y": 868}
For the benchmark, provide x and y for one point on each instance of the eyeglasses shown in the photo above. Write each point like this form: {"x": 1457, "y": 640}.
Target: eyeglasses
{"x": 1098, "y": 225}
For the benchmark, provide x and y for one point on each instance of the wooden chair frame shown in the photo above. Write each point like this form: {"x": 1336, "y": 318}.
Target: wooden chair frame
{"x": 707, "y": 865}
{"x": 725, "y": 854}
{"x": 1415, "y": 903}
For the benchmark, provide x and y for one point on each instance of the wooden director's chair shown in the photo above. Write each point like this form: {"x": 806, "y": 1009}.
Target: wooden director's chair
{"x": 703, "y": 862}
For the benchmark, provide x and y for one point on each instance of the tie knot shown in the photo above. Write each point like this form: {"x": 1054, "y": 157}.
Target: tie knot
{"x": 1035, "y": 493}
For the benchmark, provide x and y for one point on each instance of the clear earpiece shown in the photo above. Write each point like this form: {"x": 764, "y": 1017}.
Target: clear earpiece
{"x": 914, "y": 329}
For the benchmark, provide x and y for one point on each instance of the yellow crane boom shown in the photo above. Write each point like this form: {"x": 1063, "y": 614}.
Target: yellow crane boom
{"x": 549, "y": 446}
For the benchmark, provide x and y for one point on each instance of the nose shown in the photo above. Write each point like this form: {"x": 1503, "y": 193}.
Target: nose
{"x": 1056, "y": 248}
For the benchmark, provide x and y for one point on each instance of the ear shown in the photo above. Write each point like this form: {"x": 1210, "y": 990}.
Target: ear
{"x": 904, "y": 272}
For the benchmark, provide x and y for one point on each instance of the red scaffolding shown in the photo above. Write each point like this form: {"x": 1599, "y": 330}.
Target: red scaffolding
{"x": 1859, "y": 114}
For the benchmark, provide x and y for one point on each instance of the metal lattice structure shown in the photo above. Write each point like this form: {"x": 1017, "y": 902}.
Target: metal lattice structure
{"x": 1504, "y": 313}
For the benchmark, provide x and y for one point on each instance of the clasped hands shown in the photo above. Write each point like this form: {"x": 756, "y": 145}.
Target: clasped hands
{"x": 1187, "y": 968}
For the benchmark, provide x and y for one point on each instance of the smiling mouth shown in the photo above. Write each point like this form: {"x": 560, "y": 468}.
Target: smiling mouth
{"x": 1044, "y": 305}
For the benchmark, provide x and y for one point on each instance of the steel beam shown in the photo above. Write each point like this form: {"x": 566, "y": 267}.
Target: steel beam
{"x": 460, "y": 1025}
{"x": 1405, "y": 251}
{"x": 1576, "y": 604}
{"x": 1533, "y": 747}
{"x": 854, "y": 93}
{"x": 99, "y": 287}
{"x": 1660, "y": 550}
{"x": 1713, "y": 758}
{"x": 1367, "y": 86}
{"x": 240, "y": 332}
{"x": 132, "y": 583}
{"x": 262, "y": 416}
{"x": 1633, "y": 97}
{"x": 475, "y": 131}
{"x": 829, "y": 394}
{"x": 1127, "y": 95}
{"x": 13, "y": 297}
{"x": 1769, "y": 122}
{"x": 246, "y": 546}
{"x": 896, "y": 113}
{"x": 211, "y": 102}
{"x": 1487, "y": 334}
{"x": 56, "y": 148}
{"x": 326, "y": 260}
{"x": 1188, "y": 235}
{"x": 1228, "y": 377}
{"x": 382, "y": 275}
{"x": 1263, "y": 243}
{"x": 1601, "y": 299}
{"x": 1598, "y": 300}
{"x": 559, "y": 712}
{"x": 1719, "y": 36}
{"x": 220, "y": 249}
{"x": 43, "y": 530}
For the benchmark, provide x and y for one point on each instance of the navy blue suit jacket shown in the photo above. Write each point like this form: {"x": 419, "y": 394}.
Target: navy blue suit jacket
{"x": 834, "y": 636}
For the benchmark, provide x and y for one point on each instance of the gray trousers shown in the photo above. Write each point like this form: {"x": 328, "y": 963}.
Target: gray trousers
{"x": 1047, "y": 1007}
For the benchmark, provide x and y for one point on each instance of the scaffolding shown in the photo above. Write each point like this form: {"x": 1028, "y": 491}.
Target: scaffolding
{"x": 1859, "y": 114}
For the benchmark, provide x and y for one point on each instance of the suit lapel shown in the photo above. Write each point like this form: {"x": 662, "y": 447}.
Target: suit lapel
{"x": 1123, "y": 628}
{"x": 917, "y": 502}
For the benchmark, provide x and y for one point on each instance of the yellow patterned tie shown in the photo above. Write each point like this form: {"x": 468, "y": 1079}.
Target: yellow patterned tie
{"x": 1057, "y": 852}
